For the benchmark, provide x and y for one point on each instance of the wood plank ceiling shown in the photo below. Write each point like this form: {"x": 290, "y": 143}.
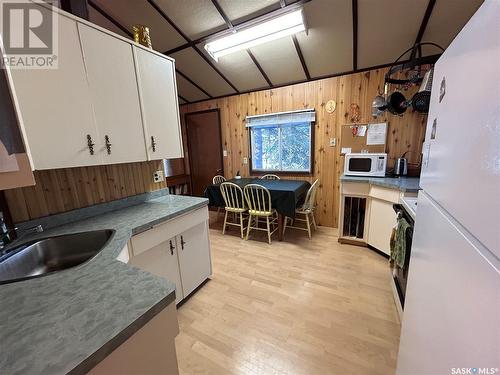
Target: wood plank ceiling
{"x": 343, "y": 36}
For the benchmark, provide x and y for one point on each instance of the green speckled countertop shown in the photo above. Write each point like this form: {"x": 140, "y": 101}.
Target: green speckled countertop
{"x": 68, "y": 321}
{"x": 404, "y": 184}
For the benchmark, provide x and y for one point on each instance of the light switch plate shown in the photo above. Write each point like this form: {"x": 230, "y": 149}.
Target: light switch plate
{"x": 158, "y": 176}
{"x": 333, "y": 142}
{"x": 224, "y": 152}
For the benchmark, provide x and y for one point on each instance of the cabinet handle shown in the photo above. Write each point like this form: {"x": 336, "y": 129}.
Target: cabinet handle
{"x": 171, "y": 248}
{"x": 108, "y": 144}
{"x": 153, "y": 144}
{"x": 182, "y": 243}
{"x": 90, "y": 145}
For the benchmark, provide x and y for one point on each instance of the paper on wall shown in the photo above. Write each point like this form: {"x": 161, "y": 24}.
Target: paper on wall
{"x": 345, "y": 150}
{"x": 361, "y": 131}
{"x": 376, "y": 134}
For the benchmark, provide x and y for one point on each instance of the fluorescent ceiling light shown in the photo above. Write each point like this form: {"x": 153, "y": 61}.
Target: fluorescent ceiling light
{"x": 261, "y": 33}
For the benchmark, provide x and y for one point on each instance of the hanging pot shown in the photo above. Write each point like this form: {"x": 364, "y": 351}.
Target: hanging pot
{"x": 422, "y": 99}
{"x": 379, "y": 106}
{"x": 397, "y": 103}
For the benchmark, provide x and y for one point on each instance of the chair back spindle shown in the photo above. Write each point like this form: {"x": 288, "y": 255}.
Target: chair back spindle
{"x": 232, "y": 195}
{"x": 270, "y": 177}
{"x": 218, "y": 179}
{"x": 258, "y": 198}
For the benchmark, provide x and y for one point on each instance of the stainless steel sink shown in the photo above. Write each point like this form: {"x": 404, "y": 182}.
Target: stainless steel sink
{"x": 43, "y": 256}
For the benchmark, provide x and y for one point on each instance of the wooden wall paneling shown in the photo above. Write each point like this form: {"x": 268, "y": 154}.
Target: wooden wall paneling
{"x": 61, "y": 190}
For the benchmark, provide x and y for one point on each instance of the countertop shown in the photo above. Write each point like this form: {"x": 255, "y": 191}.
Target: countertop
{"x": 69, "y": 321}
{"x": 404, "y": 184}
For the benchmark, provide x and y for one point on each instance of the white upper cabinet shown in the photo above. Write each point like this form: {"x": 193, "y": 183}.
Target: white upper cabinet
{"x": 108, "y": 101}
{"x": 160, "y": 109}
{"x": 113, "y": 85}
{"x": 55, "y": 106}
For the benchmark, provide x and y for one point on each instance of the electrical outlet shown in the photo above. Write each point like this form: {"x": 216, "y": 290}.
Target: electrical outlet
{"x": 158, "y": 176}
{"x": 245, "y": 160}
{"x": 333, "y": 142}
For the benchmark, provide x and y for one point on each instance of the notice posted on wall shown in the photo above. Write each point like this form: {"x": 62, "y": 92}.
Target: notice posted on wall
{"x": 376, "y": 134}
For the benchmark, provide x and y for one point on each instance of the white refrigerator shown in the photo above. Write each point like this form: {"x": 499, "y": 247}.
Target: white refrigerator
{"x": 451, "y": 321}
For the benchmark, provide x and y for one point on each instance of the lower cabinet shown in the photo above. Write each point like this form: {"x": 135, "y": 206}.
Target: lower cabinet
{"x": 367, "y": 216}
{"x": 161, "y": 260}
{"x": 178, "y": 250}
{"x": 194, "y": 259}
{"x": 382, "y": 220}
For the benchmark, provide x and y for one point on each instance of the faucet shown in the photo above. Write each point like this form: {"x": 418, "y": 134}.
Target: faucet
{"x": 35, "y": 229}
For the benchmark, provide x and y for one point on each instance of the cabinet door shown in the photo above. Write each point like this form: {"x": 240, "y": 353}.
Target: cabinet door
{"x": 160, "y": 107}
{"x": 194, "y": 257}
{"x": 109, "y": 62}
{"x": 161, "y": 260}
{"x": 55, "y": 106}
{"x": 382, "y": 220}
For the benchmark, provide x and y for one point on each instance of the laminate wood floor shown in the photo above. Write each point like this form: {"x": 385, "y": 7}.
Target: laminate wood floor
{"x": 294, "y": 307}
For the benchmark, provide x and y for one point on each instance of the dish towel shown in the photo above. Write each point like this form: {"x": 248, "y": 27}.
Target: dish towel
{"x": 398, "y": 243}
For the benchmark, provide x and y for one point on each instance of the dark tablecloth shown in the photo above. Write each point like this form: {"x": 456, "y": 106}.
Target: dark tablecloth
{"x": 285, "y": 194}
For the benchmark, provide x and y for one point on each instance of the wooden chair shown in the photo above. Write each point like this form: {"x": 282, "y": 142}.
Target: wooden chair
{"x": 307, "y": 210}
{"x": 218, "y": 179}
{"x": 235, "y": 204}
{"x": 270, "y": 177}
{"x": 258, "y": 200}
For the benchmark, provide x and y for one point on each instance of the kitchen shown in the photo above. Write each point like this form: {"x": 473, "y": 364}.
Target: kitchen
{"x": 122, "y": 265}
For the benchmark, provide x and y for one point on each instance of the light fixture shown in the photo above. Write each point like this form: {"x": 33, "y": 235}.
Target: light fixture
{"x": 263, "y": 32}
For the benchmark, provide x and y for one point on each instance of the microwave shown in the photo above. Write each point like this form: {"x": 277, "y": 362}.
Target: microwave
{"x": 365, "y": 164}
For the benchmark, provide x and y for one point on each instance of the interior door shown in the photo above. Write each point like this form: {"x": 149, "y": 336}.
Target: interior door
{"x": 160, "y": 106}
{"x": 205, "y": 148}
{"x": 194, "y": 259}
{"x": 112, "y": 79}
{"x": 161, "y": 260}
{"x": 55, "y": 106}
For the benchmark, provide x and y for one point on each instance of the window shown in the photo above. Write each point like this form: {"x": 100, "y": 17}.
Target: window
{"x": 282, "y": 142}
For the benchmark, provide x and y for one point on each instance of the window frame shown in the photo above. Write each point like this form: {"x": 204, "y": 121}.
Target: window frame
{"x": 260, "y": 172}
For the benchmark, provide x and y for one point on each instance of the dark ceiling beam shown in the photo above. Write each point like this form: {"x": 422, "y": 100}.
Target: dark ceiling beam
{"x": 420, "y": 61}
{"x": 184, "y": 99}
{"x": 223, "y": 14}
{"x": 423, "y": 25}
{"x": 301, "y": 57}
{"x": 355, "y": 34}
{"x": 111, "y": 19}
{"x": 192, "y": 44}
{"x": 260, "y": 68}
{"x": 79, "y": 8}
{"x": 193, "y": 83}
{"x": 235, "y": 25}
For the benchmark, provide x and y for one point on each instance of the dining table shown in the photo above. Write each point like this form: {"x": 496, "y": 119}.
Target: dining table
{"x": 285, "y": 195}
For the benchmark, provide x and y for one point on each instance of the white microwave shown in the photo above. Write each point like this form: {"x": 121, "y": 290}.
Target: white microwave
{"x": 365, "y": 164}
